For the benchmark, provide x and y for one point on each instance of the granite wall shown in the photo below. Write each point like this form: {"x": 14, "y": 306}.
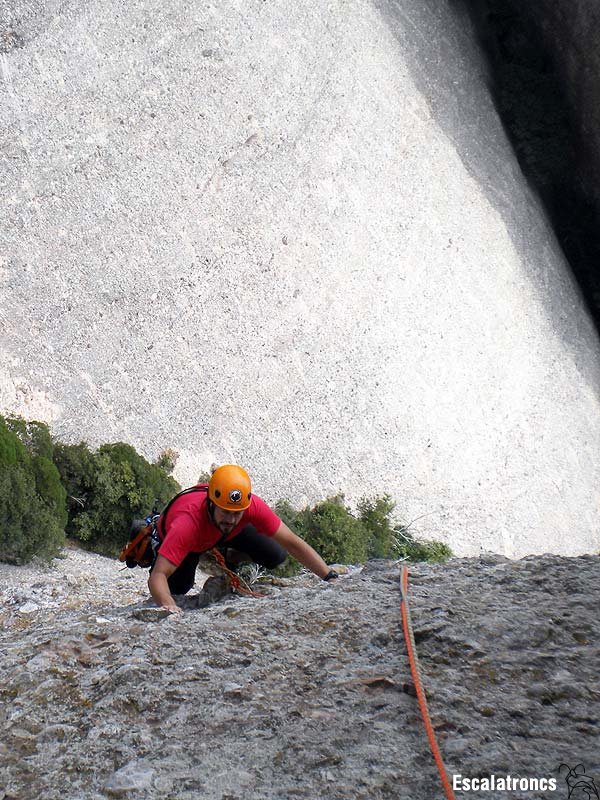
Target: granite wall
{"x": 300, "y": 242}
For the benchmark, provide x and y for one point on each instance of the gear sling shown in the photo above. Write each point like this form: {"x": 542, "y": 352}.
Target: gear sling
{"x": 144, "y": 536}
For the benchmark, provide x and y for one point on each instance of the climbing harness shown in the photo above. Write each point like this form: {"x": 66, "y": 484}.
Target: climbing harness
{"x": 416, "y": 674}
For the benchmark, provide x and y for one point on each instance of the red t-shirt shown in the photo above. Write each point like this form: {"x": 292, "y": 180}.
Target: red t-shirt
{"x": 190, "y": 529}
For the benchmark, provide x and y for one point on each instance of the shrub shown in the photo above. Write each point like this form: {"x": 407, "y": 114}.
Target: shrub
{"x": 77, "y": 468}
{"x": 35, "y": 436}
{"x": 375, "y": 515}
{"x": 46, "y": 486}
{"x": 297, "y": 522}
{"x": 107, "y": 489}
{"x": 32, "y": 498}
{"x": 167, "y": 460}
{"x": 334, "y": 532}
{"x": 411, "y": 549}
{"x": 385, "y": 539}
{"x": 340, "y": 537}
{"x": 50, "y": 488}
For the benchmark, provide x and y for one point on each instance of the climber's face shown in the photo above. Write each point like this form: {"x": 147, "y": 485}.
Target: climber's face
{"x": 226, "y": 520}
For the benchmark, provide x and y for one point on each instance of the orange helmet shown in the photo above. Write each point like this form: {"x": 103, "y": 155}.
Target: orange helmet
{"x": 229, "y": 488}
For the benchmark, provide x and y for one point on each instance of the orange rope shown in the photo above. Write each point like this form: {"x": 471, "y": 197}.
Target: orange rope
{"x": 414, "y": 668}
{"x": 234, "y": 580}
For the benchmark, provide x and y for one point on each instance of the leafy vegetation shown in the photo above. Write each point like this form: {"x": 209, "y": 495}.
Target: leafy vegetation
{"x": 410, "y": 549}
{"x": 345, "y": 538}
{"x": 48, "y": 488}
{"x": 32, "y": 499}
{"x": 375, "y": 515}
{"x": 108, "y": 488}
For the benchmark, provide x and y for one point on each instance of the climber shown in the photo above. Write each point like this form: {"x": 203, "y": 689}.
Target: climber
{"x": 224, "y": 512}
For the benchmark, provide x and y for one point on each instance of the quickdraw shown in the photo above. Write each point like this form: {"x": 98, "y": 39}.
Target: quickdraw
{"x": 416, "y": 674}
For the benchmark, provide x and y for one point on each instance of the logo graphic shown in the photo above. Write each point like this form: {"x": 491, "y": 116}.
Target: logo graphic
{"x": 235, "y": 496}
{"x": 580, "y": 785}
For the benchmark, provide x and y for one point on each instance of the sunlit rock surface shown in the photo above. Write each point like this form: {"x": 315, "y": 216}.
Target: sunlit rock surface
{"x": 304, "y": 693}
{"x": 297, "y": 241}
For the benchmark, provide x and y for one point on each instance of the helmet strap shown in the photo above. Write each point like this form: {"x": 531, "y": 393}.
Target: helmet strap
{"x": 210, "y": 507}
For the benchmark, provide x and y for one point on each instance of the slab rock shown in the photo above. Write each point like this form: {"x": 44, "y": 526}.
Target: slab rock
{"x": 308, "y": 691}
{"x": 135, "y": 776}
{"x": 298, "y": 241}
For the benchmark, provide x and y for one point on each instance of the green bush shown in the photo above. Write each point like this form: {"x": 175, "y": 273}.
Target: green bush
{"x": 47, "y": 487}
{"x": 386, "y": 539}
{"x": 293, "y": 519}
{"x": 375, "y": 515}
{"x": 334, "y": 532}
{"x": 343, "y": 538}
{"x": 77, "y": 468}
{"x": 411, "y": 549}
{"x": 35, "y": 436}
{"x": 107, "y": 489}
{"x": 32, "y": 498}
{"x": 50, "y": 488}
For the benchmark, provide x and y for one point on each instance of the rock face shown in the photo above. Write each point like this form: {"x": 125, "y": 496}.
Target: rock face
{"x": 571, "y": 33}
{"x": 544, "y": 74}
{"x": 305, "y": 693}
{"x": 299, "y": 242}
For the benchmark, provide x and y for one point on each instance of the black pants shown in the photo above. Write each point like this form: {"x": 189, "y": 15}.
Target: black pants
{"x": 259, "y": 547}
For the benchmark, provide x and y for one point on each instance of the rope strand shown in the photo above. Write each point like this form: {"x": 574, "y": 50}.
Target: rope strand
{"x": 416, "y": 674}
{"x": 236, "y": 582}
